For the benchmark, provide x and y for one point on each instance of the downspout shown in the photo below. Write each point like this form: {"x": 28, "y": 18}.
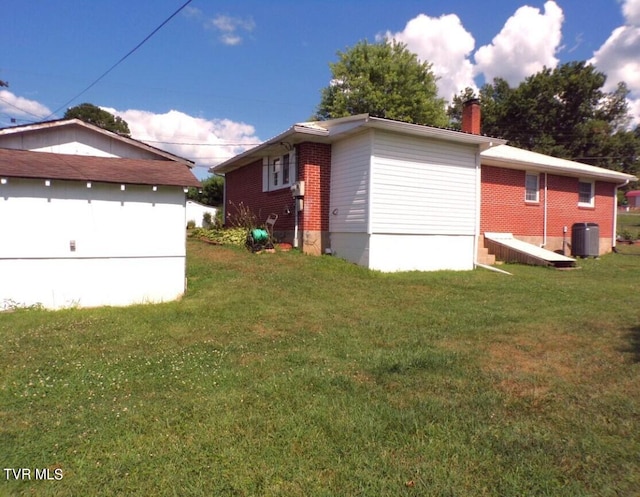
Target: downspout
{"x": 296, "y": 205}
{"x": 224, "y": 200}
{"x": 544, "y": 227}
{"x": 478, "y": 202}
{"x": 615, "y": 213}
{"x": 295, "y": 225}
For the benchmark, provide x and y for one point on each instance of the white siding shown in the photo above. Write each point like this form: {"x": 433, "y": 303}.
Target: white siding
{"x": 422, "y": 186}
{"x": 74, "y": 140}
{"x": 390, "y": 253}
{"x": 350, "y": 174}
{"x": 196, "y": 212}
{"x": 129, "y": 245}
{"x": 353, "y": 247}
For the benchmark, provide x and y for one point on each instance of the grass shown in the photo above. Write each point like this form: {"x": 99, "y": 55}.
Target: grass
{"x": 287, "y": 375}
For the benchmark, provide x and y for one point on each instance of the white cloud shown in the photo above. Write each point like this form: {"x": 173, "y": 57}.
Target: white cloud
{"x": 631, "y": 11}
{"x": 445, "y": 43}
{"x": 619, "y": 57}
{"x": 230, "y": 28}
{"x": 207, "y": 142}
{"x": 22, "y": 108}
{"x": 528, "y": 42}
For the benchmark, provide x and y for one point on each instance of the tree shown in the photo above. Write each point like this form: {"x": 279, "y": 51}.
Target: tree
{"x": 92, "y": 114}
{"x": 384, "y": 80}
{"x": 563, "y": 112}
{"x": 211, "y": 193}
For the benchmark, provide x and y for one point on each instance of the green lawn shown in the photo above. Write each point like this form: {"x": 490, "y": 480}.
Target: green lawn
{"x": 289, "y": 375}
{"x": 629, "y": 224}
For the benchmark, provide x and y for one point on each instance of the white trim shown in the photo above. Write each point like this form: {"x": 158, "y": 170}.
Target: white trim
{"x": 273, "y": 169}
{"x": 517, "y": 158}
{"x": 592, "y": 195}
{"x": 530, "y": 174}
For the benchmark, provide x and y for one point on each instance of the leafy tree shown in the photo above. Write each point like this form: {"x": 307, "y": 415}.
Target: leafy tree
{"x": 385, "y": 80}
{"x": 211, "y": 193}
{"x": 92, "y": 114}
{"x": 3, "y": 83}
{"x": 562, "y": 112}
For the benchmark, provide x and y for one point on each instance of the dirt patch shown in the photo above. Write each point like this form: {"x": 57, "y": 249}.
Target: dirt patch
{"x": 543, "y": 356}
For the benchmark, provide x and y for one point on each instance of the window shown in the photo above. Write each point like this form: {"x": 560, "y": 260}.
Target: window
{"x": 285, "y": 169}
{"x": 278, "y": 172}
{"x": 275, "y": 171}
{"x": 532, "y": 187}
{"x": 585, "y": 193}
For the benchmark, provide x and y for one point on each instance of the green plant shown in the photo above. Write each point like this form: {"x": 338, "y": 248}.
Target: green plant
{"x": 207, "y": 220}
{"x": 242, "y": 216}
{"x": 191, "y": 224}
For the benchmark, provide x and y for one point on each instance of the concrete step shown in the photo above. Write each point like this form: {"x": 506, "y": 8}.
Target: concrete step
{"x": 484, "y": 257}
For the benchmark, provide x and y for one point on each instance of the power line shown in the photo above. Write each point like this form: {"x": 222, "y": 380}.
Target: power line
{"x": 20, "y": 109}
{"x": 202, "y": 144}
{"x": 120, "y": 61}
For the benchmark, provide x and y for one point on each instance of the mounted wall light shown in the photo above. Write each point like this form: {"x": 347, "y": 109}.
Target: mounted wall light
{"x": 88, "y": 184}
{"x": 155, "y": 188}
{"x": 3, "y": 181}
{"x": 185, "y": 189}
{"x": 47, "y": 182}
{"x": 122, "y": 188}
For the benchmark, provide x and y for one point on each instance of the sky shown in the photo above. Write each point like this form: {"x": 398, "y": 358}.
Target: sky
{"x": 221, "y": 76}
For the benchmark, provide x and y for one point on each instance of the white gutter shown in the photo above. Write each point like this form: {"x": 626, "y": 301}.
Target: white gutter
{"x": 476, "y": 237}
{"x": 615, "y": 213}
{"x": 544, "y": 227}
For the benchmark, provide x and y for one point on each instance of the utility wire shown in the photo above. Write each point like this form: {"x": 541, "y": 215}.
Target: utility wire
{"x": 120, "y": 61}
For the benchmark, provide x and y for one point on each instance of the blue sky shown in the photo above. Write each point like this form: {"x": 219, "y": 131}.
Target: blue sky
{"x": 223, "y": 75}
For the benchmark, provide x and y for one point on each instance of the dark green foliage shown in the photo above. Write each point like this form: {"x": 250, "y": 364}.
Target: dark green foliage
{"x": 211, "y": 193}
{"x": 384, "y": 80}
{"x": 92, "y": 114}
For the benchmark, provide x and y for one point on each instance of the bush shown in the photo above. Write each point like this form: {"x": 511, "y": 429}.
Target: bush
{"x": 222, "y": 236}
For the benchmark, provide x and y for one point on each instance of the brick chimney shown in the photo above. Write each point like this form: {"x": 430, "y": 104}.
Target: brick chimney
{"x": 471, "y": 116}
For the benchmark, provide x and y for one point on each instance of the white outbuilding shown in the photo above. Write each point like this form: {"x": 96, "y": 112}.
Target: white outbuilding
{"x": 87, "y": 230}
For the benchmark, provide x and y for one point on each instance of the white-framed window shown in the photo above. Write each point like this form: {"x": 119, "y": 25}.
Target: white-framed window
{"x": 586, "y": 193}
{"x": 278, "y": 172}
{"x": 532, "y": 187}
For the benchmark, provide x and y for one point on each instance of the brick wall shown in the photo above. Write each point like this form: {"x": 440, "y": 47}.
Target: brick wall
{"x": 244, "y": 186}
{"x": 503, "y": 208}
{"x": 314, "y": 161}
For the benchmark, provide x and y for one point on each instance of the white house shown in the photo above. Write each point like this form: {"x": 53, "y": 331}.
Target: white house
{"x": 395, "y": 196}
{"x": 196, "y": 212}
{"x": 89, "y": 229}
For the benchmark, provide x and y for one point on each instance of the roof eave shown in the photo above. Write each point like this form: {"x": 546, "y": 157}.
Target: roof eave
{"x": 604, "y": 174}
{"x": 98, "y": 129}
{"x": 295, "y": 134}
{"x": 433, "y": 132}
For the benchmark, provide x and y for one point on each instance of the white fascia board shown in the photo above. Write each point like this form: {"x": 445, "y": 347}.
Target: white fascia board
{"x": 516, "y": 158}
{"x": 295, "y": 134}
{"x": 431, "y": 132}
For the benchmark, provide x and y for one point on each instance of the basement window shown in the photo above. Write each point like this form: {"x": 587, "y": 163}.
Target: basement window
{"x": 532, "y": 187}
{"x": 586, "y": 195}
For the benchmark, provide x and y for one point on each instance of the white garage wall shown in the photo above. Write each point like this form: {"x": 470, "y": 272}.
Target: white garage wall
{"x": 129, "y": 245}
